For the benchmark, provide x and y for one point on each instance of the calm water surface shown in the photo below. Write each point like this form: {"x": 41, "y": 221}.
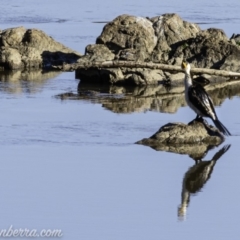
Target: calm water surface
{"x": 73, "y": 165}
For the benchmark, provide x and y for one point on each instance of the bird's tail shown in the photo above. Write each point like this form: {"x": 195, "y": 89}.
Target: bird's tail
{"x": 221, "y": 127}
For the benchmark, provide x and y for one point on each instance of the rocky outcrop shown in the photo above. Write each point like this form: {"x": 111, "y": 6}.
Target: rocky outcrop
{"x": 31, "y": 48}
{"x": 162, "y": 39}
{"x": 133, "y": 38}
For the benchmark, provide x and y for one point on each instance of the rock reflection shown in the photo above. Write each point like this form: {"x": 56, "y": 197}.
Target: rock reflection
{"x": 161, "y": 98}
{"x": 17, "y": 82}
{"x": 196, "y": 177}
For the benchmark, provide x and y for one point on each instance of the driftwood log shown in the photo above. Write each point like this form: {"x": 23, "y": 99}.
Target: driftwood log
{"x": 131, "y": 64}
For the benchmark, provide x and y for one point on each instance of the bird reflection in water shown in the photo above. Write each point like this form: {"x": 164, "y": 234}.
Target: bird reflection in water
{"x": 195, "y": 178}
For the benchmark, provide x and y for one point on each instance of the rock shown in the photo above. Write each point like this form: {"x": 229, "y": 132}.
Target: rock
{"x": 129, "y": 32}
{"x": 97, "y": 52}
{"x": 182, "y": 139}
{"x": 31, "y": 48}
{"x": 161, "y": 39}
{"x": 132, "y": 38}
{"x": 209, "y": 49}
{"x": 10, "y": 58}
{"x": 171, "y": 31}
{"x": 235, "y": 38}
{"x": 176, "y": 77}
{"x": 232, "y": 61}
{"x": 125, "y": 38}
{"x": 179, "y": 133}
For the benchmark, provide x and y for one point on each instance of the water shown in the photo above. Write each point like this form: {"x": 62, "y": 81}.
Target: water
{"x": 73, "y": 165}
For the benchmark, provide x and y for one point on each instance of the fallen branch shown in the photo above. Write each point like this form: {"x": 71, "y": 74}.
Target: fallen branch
{"x": 129, "y": 64}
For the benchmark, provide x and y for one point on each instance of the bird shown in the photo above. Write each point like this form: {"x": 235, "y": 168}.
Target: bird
{"x": 196, "y": 177}
{"x": 199, "y": 101}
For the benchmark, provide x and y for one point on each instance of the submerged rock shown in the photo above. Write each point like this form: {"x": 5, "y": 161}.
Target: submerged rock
{"x": 32, "y": 48}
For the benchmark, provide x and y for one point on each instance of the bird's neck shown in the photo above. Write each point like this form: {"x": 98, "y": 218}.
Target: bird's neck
{"x": 188, "y": 80}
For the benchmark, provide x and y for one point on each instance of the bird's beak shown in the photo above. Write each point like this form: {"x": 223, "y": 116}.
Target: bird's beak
{"x": 184, "y": 64}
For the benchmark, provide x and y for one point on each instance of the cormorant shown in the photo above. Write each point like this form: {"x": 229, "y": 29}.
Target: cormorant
{"x": 199, "y": 101}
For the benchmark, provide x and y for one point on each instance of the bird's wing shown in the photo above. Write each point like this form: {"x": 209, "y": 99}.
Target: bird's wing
{"x": 201, "y": 101}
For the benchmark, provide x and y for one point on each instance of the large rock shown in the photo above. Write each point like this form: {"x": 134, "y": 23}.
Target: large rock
{"x": 127, "y": 38}
{"x": 132, "y": 38}
{"x": 161, "y": 39}
{"x": 32, "y": 48}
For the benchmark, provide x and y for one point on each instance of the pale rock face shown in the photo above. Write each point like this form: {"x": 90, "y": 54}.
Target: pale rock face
{"x": 32, "y": 48}
{"x": 129, "y": 32}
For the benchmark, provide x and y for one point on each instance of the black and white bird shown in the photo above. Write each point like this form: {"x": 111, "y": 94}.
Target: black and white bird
{"x": 199, "y": 101}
